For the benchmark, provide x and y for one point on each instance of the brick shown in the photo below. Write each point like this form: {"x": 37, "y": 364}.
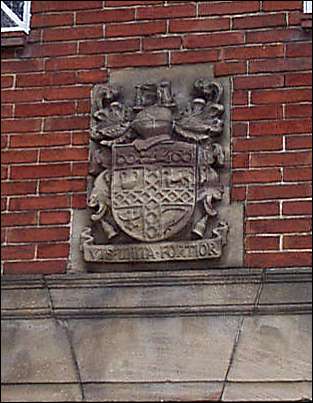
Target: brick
{"x": 213, "y": 40}
{"x": 297, "y": 242}
{"x": 67, "y": 93}
{"x": 299, "y": 79}
{"x": 21, "y": 252}
{"x": 239, "y": 129}
{"x": 295, "y": 18}
{"x": 263, "y": 209}
{"x": 54, "y": 217}
{"x": 167, "y": 11}
{"x": 80, "y": 138}
{"x": 227, "y": 7}
{"x": 4, "y": 141}
{"x": 298, "y": 142}
{"x": 22, "y": 95}
{"x": 62, "y": 186}
{"x": 199, "y": 25}
{"x": 266, "y": 66}
{"x": 65, "y": 6}
{"x": 38, "y": 235}
{"x": 279, "y": 226}
{"x": 80, "y": 169}
{"x": 262, "y": 243}
{"x": 36, "y": 267}
{"x": 109, "y": 46}
{"x": 238, "y": 193}
{"x": 257, "y": 113}
{"x": 299, "y": 49}
{"x": 57, "y": 250}
{"x": 40, "y": 140}
{"x": 240, "y": 97}
{"x": 48, "y": 50}
{"x": 276, "y": 35}
{"x": 136, "y": 29}
{"x": 297, "y": 208}
{"x": 92, "y": 76}
{"x": 296, "y": 174}
{"x": 59, "y": 123}
{"x": 105, "y": 16}
{"x": 52, "y": 20}
{"x": 41, "y": 171}
{"x": 256, "y": 176}
{"x": 7, "y": 81}
{"x": 253, "y": 52}
{"x": 258, "y": 144}
{"x": 4, "y": 172}
{"x": 279, "y": 259}
{"x": 19, "y": 219}
{"x": 298, "y": 110}
{"x": 281, "y": 96}
{"x": 72, "y": 33}
{"x": 130, "y": 3}
{"x": 273, "y": 192}
{"x": 240, "y": 161}
{"x": 44, "y": 109}
{"x": 194, "y": 56}
{"x": 138, "y": 60}
{"x": 4, "y": 201}
{"x": 20, "y": 125}
{"x": 259, "y": 21}
{"x": 18, "y": 188}
{"x": 18, "y": 66}
{"x": 6, "y": 111}
{"x": 282, "y": 5}
{"x": 230, "y": 68}
{"x": 160, "y": 43}
{"x": 258, "y": 82}
{"x": 10, "y": 157}
{"x": 83, "y": 106}
{"x": 79, "y": 201}
{"x": 38, "y": 202}
{"x": 3, "y": 235}
{"x": 75, "y": 63}
{"x": 45, "y": 79}
{"x": 281, "y": 127}
{"x": 281, "y": 159}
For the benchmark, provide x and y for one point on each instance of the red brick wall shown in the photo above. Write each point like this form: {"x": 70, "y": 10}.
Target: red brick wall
{"x": 73, "y": 45}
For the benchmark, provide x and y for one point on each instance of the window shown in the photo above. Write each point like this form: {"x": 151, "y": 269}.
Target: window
{"x": 307, "y": 7}
{"x": 15, "y": 16}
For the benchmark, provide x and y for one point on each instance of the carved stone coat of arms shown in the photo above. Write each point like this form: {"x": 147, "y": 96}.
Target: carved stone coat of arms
{"x": 155, "y": 184}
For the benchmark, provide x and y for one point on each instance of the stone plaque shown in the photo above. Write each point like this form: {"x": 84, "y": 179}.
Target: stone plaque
{"x": 157, "y": 159}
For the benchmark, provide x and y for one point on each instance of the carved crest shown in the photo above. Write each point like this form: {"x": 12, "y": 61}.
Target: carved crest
{"x": 155, "y": 168}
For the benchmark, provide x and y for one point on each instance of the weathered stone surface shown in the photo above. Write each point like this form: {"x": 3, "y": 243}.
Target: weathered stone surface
{"x": 267, "y": 392}
{"x": 41, "y": 393}
{"x": 154, "y": 349}
{"x": 144, "y": 392}
{"x": 162, "y": 296}
{"x": 274, "y": 348}
{"x": 278, "y": 293}
{"x": 21, "y": 299}
{"x": 35, "y": 351}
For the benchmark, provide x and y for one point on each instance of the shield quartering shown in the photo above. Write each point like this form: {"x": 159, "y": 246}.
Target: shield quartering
{"x": 154, "y": 190}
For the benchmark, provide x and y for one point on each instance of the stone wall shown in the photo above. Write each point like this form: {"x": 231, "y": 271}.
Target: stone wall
{"x": 263, "y": 48}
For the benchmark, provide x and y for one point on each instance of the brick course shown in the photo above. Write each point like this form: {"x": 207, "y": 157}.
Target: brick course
{"x": 74, "y": 45}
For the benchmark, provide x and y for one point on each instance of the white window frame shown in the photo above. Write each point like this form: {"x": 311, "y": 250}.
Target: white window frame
{"x": 307, "y": 7}
{"x": 24, "y": 25}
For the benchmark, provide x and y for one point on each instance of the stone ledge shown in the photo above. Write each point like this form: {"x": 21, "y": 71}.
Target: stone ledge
{"x": 234, "y": 292}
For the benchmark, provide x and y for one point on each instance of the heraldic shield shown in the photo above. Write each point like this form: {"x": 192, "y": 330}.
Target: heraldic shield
{"x": 154, "y": 190}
